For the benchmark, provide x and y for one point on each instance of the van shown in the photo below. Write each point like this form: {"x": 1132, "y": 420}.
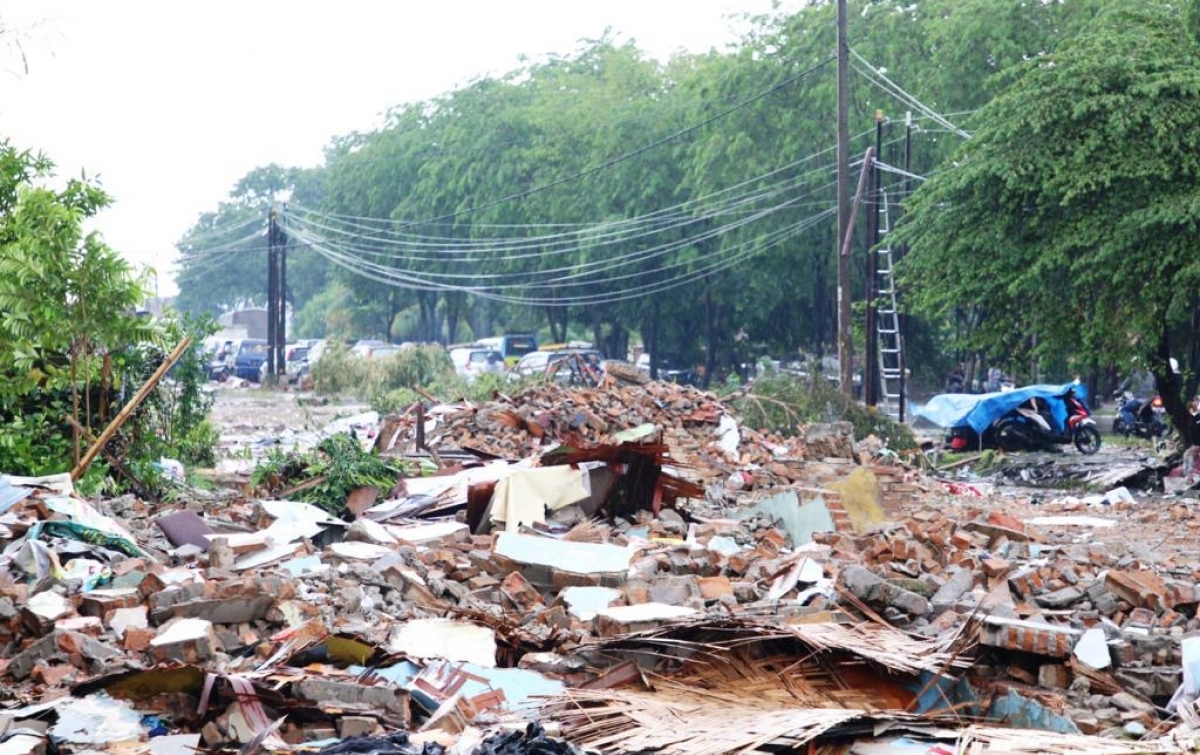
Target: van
{"x": 247, "y": 357}
{"x": 511, "y": 347}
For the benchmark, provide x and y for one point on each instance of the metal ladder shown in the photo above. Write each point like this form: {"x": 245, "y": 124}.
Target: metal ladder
{"x": 887, "y": 321}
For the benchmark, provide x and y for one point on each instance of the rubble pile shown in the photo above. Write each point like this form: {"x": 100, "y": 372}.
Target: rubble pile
{"x": 700, "y": 431}
{"x": 795, "y": 595}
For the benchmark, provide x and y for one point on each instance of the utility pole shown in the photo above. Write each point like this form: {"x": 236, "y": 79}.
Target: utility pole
{"x": 871, "y": 365}
{"x": 272, "y": 286}
{"x": 844, "y": 325}
{"x": 281, "y": 305}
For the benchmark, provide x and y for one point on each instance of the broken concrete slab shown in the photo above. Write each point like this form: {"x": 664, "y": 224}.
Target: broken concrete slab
{"x": 43, "y": 610}
{"x": 563, "y": 556}
{"x": 122, "y": 619}
{"x": 59, "y": 644}
{"x": 359, "y": 551}
{"x": 623, "y": 619}
{"x": 1028, "y": 636}
{"x": 585, "y": 602}
{"x": 1092, "y": 649}
{"x": 391, "y": 702}
{"x": 445, "y": 639}
{"x": 369, "y": 531}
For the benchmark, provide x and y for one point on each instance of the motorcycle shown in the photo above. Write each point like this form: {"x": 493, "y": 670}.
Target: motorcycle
{"x": 1144, "y": 419}
{"x": 1032, "y": 426}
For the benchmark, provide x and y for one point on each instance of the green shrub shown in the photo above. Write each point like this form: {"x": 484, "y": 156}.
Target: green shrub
{"x": 338, "y": 372}
{"x": 341, "y": 373}
{"x": 781, "y": 403}
{"x": 416, "y": 366}
{"x": 338, "y": 466}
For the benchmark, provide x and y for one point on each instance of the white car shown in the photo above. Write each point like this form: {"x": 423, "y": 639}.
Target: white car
{"x": 471, "y": 362}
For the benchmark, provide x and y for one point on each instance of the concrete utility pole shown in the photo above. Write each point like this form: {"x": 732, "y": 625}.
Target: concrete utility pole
{"x": 281, "y": 304}
{"x": 844, "y": 326}
{"x": 272, "y": 300}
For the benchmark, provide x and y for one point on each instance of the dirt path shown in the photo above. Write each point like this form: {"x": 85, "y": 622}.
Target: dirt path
{"x": 253, "y": 420}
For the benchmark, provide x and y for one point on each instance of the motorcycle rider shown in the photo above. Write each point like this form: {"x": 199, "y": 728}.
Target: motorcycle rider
{"x": 1131, "y": 409}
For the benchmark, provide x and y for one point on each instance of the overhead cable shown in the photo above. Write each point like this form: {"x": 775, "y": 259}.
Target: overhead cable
{"x": 877, "y": 77}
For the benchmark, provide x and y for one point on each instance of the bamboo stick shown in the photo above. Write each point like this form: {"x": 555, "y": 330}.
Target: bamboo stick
{"x": 127, "y": 411}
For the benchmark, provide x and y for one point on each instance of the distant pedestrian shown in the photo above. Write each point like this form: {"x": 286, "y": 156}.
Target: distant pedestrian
{"x": 957, "y": 379}
{"x": 995, "y": 377}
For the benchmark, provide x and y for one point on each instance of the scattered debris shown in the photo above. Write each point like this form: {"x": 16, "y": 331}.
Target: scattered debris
{"x": 576, "y": 568}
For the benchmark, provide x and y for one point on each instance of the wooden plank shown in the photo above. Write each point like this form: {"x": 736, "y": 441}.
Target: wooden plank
{"x": 127, "y": 411}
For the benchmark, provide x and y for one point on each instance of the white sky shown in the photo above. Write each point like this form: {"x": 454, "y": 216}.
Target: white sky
{"x": 169, "y": 103}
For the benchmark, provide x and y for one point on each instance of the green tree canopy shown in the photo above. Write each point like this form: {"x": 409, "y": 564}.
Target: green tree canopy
{"x": 1071, "y": 217}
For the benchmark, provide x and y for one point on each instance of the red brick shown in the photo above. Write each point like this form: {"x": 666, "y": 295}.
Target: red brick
{"x": 1005, "y": 520}
{"x": 137, "y": 640}
{"x": 996, "y": 567}
{"x": 713, "y": 588}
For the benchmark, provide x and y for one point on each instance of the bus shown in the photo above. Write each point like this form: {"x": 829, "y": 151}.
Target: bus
{"x": 511, "y": 347}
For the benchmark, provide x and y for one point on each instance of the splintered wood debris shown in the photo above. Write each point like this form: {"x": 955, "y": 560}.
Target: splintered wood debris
{"x": 879, "y": 643}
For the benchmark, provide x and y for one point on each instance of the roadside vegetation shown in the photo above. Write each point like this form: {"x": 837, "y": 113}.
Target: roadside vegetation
{"x": 73, "y": 347}
{"x": 1030, "y": 248}
{"x": 783, "y": 403}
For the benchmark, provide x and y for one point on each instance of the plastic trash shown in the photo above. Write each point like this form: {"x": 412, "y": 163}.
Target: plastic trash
{"x": 172, "y": 469}
{"x": 740, "y": 481}
{"x": 1190, "y": 689}
{"x": 392, "y": 744}
{"x": 532, "y": 741}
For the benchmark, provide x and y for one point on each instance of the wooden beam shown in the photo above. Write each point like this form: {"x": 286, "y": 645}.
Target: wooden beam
{"x": 127, "y": 411}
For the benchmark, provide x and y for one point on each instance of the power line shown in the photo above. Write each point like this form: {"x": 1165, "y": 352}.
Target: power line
{"x": 762, "y": 244}
{"x": 393, "y": 226}
{"x": 878, "y": 78}
{"x": 577, "y": 272}
{"x": 541, "y": 252}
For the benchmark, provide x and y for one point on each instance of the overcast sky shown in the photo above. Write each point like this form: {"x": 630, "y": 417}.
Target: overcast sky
{"x": 169, "y": 103}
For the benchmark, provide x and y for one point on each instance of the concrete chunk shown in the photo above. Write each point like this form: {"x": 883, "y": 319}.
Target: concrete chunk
{"x": 948, "y": 594}
{"x": 1028, "y": 636}
{"x": 624, "y": 619}
{"x": 392, "y": 702}
{"x": 185, "y": 640}
{"x": 1092, "y": 649}
{"x": 563, "y": 555}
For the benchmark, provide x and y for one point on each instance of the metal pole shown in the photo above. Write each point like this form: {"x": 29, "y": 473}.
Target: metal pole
{"x": 844, "y": 325}
{"x": 903, "y": 321}
{"x": 871, "y": 363}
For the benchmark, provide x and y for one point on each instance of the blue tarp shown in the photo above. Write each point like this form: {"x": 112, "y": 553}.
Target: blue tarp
{"x": 979, "y": 411}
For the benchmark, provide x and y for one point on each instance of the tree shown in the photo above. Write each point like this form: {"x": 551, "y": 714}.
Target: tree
{"x": 67, "y": 302}
{"x": 1072, "y": 215}
{"x": 223, "y": 257}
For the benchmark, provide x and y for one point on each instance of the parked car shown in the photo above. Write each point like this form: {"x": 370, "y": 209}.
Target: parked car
{"x": 246, "y": 358}
{"x": 296, "y": 363}
{"x": 670, "y": 368}
{"x": 472, "y": 361}
{"x": 382, "y": 351}
{"x": 316, "y": 350}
